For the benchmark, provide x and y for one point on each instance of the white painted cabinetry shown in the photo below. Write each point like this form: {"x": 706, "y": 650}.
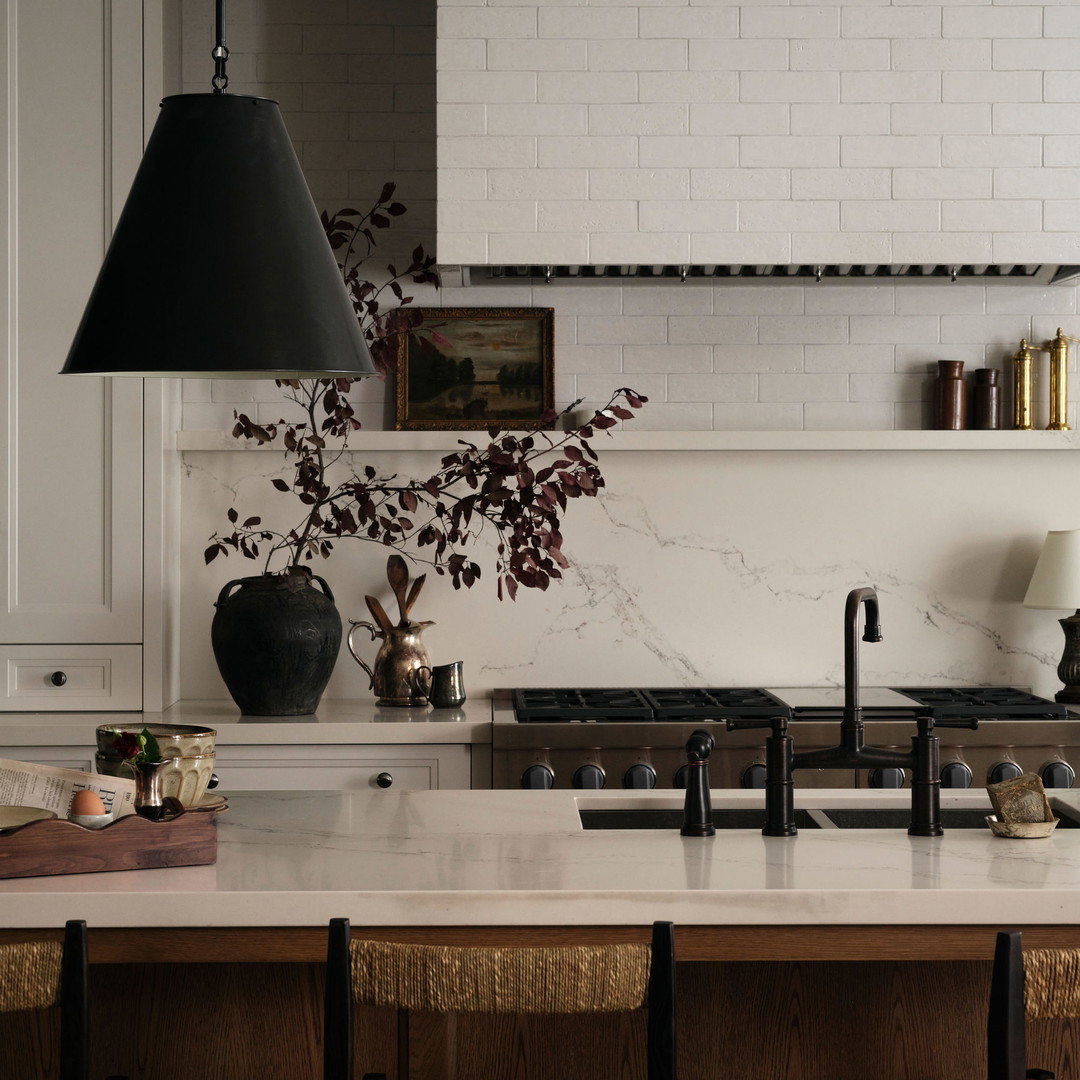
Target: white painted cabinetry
{"x": 75, "y": 76}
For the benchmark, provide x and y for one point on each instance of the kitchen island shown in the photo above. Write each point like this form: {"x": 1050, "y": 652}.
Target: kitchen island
{"x": 783, "y": 943}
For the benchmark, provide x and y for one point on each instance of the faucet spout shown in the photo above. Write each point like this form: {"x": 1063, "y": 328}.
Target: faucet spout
{"x": 851, "y": 725}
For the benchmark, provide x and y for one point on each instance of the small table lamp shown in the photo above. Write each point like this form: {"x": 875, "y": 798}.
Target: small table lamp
{"x": 1055, "y": 584}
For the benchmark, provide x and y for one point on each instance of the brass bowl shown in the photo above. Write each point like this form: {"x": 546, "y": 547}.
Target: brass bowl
{"x": 175, "y": 740}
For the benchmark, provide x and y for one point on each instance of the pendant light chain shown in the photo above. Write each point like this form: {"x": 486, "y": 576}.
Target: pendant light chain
{"x": 219, "y": 53}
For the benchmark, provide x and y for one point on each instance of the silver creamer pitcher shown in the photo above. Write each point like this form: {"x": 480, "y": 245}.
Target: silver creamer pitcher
{"x": 394, "y": 674}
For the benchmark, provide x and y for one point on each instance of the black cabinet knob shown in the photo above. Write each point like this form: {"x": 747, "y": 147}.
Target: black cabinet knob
{"x": 1004, "y": 770}
{"x": 957, "y": 775}
{"x": 58, "y": 678}
{"x": 213, "y": 781}
{"x": 1058, "y": 774}
{"x": 639, "y": 776}
{"x": 753, "y": 776}
{"x": 886, "y": 778}
{"x": 588, "y": 776}
{"x": 679, "y": 779}
{"x": 384, "y": 779}
{"x": 538, "y": 777}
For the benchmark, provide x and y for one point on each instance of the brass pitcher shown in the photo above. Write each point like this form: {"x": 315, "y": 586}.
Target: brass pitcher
{"x": 395, "y": 674}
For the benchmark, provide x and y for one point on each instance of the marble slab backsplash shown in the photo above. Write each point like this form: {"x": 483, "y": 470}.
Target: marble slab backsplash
{"x": 721, "y": 568}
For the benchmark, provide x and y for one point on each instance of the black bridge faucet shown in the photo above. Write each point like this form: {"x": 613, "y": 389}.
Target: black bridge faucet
{"x": 850, "y": 753}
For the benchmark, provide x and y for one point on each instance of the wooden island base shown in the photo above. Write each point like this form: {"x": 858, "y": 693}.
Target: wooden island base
{"x": 843, "y": 1003}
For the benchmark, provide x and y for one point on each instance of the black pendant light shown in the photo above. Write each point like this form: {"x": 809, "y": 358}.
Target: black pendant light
{"x": 219, "y": 266}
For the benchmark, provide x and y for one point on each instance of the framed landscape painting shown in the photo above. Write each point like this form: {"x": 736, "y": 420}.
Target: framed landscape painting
{"x": 473, "y": 368}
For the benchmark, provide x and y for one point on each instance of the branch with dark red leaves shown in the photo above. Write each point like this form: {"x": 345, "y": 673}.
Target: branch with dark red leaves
{"x": 517, "y": 485}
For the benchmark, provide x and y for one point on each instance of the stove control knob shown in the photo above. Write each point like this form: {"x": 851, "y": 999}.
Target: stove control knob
{"x": 1004, "y": 770}
{"x": 639, "y": 776}
{"x": 538, "y": 776}
{"x": 679, "y": 779}
{"x": 886, "y": 778}
{"x": 957, "y": 775}
{"x": 753, "y": 776}
{"x": 588, "y": 776}
{"x": 1057, "y": 774}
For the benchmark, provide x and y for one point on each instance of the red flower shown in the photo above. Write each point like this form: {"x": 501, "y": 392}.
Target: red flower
{"x": 127, "y": 745}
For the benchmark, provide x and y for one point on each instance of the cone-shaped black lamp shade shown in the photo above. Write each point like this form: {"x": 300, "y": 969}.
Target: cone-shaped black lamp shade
{"x": 219, "y": 266}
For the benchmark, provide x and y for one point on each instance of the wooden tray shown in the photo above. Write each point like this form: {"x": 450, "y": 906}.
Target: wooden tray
{"x": 43, "y": 848}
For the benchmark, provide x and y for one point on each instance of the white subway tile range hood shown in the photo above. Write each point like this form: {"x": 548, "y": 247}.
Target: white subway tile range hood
{"x": 732, "y": 142}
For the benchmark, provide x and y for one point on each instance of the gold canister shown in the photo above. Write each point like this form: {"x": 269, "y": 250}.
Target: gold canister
{"x": 1022, "y": 387}
{"x": 1059, "y": 383}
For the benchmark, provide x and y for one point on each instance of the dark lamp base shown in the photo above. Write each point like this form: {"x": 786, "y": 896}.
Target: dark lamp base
{"x": 1068, "y": 671}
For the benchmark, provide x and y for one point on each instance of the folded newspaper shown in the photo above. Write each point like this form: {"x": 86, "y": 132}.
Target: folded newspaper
{"x": 50, "y": 788}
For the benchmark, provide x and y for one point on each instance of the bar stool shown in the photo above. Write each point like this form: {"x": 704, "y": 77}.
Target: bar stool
{"x": 1032, "y": 984}
{"x": 41, "y": 974}
{"x": 489, "y": 979}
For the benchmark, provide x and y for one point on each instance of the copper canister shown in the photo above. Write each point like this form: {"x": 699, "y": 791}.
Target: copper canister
{"x": 950, "y": 412}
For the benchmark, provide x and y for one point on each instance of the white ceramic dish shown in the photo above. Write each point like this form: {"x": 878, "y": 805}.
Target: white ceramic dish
{"x": 91, "y": 821}
{"x": 1021, "y": 830}
{"x": 11, "y": 817}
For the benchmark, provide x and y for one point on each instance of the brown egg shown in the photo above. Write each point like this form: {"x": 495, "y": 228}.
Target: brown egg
{"x": 86, "y": 803}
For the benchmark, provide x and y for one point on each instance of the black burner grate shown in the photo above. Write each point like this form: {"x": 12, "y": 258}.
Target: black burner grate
{"x": 715, "y": 704}
{"x": 587, "y": 705}
{"x": 1001, "y": 702}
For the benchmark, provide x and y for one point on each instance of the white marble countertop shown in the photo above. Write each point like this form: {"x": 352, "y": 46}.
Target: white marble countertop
{"x": 510, "y": 858}
{"x": 350, "y": 722}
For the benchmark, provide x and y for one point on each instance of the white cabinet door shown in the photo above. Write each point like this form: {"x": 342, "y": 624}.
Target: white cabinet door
{"x": 419, "y": 767}
{"x": 72, "y": 118}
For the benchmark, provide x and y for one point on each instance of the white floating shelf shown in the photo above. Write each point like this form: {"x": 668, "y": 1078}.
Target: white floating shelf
{"x": 656, "y": 441}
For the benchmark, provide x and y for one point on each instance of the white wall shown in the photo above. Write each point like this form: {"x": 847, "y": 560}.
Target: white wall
{"x": 727, "y": 568}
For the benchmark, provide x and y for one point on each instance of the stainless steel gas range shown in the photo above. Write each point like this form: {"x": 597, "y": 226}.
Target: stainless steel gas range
{"x": 631, "y": 738}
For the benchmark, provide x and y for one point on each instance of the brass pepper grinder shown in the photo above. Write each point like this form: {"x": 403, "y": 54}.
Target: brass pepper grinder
{"x": 1022, "y": 387}
{"x": 1059, "y": 382}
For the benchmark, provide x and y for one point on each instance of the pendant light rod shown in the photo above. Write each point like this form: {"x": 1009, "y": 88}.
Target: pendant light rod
{"x": 220, "y": 52}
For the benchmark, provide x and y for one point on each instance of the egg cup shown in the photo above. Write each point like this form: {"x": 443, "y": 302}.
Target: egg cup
{"x": 91, "y": 821}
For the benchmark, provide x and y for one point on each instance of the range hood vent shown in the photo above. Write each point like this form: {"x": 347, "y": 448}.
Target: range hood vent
{"x": 735, "y": 274}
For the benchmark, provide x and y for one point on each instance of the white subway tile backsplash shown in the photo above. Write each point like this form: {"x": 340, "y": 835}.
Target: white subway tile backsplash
{"x": 740, "y": 55}
{"x": 962, "y": 21}
{"x": 586, "y": 22}
{"x": 887, "y": 388}
{"x": 740, "y": 119}
{"x": 792, "y": 216}
{"x": 861, "y": 21}
{"x": 845, "y": 183}
{"x": 485, "y": 86}
{"x": 837, "y": 299}
{"x": 992, "y": 86}
{"x": 700, "y": 87}
{"x": 792, "y": 151}
{"x": 655, "y": 119}
{"x": 741, "y": 248}
{"x": 1050, "y": 118}
{"x": 710, "y": 388}
{"x": 833, "y": 359}
{"x": 687, "y": 217}
{"x": 744, "y": 183}
{"x": 802, "y": 329}
{"x": 484, "y": 22}
{"x": 997, "y": 215}
{"x": 760, "y": 299}
{"x": 889, "y": 151}
{"x": 747, "y": 416}
{"x": 990, "y": 150}
{"x": 804, "y": 388}
{"x": 712, "y": 329}
{"x": 586, "y": 87}
{"x": 652, "y": 54}
{"x": 839, "y": 119}
{"x": 788, "y": 86}
{"x": 676, "y": 358}
{"x": 848, "y": 416}
{"x": 888, "y": 87}
{"x": 941, "y": 300}
{"x": 819, "y": 55}
{"x": 892, "y": 215}
{"x": 530, "y": 183}
{"x": 894, "y": 329}
{"x": 690, "y": 299}
{"x": 536, "y": 119}
{"x": 639, "y": 183}
{"x": 940, "y": 119}
{"x": 585, "y": 215}
{"x": 918, "y": 54}
{"x": 693, "y": 23}
{"x": 586, "y": 151}
{"x": 687, "y": 151}
{"x": 639, "y": 248}
{"x": 773, "y": 359}
{"x": 628, "y": 329}
{"x": 764, "y": 21}
{"x": 944, "y": 183}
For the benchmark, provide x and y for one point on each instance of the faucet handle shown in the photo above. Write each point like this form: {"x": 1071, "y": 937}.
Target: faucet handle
{"x": 777, "y": 723}
{"x": 969, "y": 722}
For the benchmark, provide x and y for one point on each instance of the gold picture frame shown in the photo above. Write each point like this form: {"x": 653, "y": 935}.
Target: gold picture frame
{"x": 469, "y": 369}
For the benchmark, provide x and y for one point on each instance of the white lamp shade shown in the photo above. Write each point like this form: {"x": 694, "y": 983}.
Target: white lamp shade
{"x": 1056, "y": 581}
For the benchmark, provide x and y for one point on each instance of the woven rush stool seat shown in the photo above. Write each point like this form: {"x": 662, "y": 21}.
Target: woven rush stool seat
{"x": 549, "y": 980}
{"x": 44, "y": 974}
{"x": 1027, "y": 984}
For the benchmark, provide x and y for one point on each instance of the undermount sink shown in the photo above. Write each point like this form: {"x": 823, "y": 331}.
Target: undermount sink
{"x": 826, "y": 818}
